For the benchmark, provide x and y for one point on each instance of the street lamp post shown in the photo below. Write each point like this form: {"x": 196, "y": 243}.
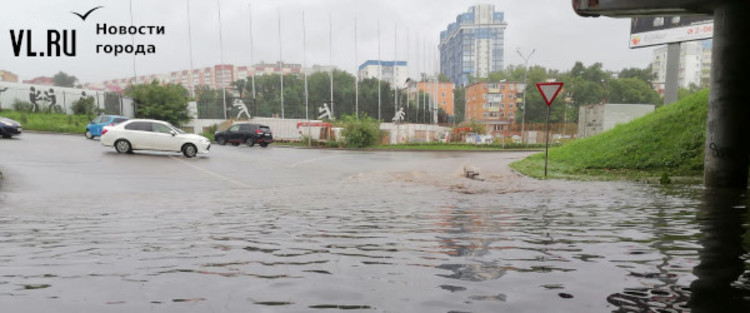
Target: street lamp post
{"x": 525, "y": 88}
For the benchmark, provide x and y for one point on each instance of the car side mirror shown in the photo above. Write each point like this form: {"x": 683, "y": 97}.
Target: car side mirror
{"x": 173, "y": 133}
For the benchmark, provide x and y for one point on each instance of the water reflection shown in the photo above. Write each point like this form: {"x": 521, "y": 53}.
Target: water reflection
{"x": 718, "y": 288}
{"x": 722, "y": 283}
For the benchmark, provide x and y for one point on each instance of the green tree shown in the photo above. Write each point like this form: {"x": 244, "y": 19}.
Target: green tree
{"x": 647, "y": 74}
{"x": 360, "y": 132}
{"x": 161, "y": 102}
{"x": 64, "y": 80}
{"x": 459, "y": 103}
{"x": 631, "y": 90}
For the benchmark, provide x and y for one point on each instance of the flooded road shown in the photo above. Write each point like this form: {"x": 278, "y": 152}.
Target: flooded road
{"x": 83, "y": 229}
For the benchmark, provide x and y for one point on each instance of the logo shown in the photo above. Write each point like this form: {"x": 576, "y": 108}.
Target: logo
{"x": 59, "y": 43}
{"x": 83, "y": 17}
{"x": 636, "y": 40}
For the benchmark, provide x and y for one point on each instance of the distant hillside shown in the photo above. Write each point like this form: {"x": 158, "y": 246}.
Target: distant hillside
{"x": 670, "y": 140}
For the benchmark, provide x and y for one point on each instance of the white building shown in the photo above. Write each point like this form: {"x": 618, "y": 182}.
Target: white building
{"x": 372, "y": 69}
{"x": 695, "y": 64}
{"x": 598, "y": 118}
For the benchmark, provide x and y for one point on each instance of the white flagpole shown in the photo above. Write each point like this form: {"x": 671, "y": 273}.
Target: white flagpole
{"x": 380, "y": 71}
{"x": 281, "y": 65}
{"x": 304, "y": 61}
{"x": 330, "y": 70}
{"x": 221, "y": 53}
{"x": 356, "y": 81}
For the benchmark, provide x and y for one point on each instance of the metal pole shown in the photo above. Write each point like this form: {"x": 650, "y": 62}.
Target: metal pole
{"x": 356, "y": 81}
{"x": 191, "y": 87}
{"x": 281, "y": 65}
{"x": 395, "y": 62}
{"x": 727, "y": 130}
{"x": 546, "y": 148}
{"x": 525, "y": 89}
{"x": 221, "y": 53}
{"x": 330, "y": 70}
{"x": 380, "y": 71}
{"x": 672, "y": 85}
{"x": 304, "y": 60}
{"x": 252, "y": 47}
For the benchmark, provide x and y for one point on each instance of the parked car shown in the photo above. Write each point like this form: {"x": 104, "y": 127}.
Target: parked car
{"x": 142, "y": 134}
{"x": 94, "y": 128}
{"x": 9, "y": 127}
{"x": 247, "y": 133}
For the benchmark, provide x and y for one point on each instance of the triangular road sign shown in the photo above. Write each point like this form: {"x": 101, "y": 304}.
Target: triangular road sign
{"x": 549, "y": 91}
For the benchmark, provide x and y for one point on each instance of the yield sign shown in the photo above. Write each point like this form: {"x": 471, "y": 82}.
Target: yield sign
{"x": 549, "y": 91}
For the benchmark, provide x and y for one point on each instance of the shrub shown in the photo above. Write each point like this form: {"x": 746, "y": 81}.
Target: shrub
{"x": 360, "y": 133}
{"x": 209, "y": 131}
{"x": 84, "y": 106}
{"x": 22, "y": 106}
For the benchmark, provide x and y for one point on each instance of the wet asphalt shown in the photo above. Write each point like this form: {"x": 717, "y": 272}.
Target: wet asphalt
{"x": 240, "y": 229}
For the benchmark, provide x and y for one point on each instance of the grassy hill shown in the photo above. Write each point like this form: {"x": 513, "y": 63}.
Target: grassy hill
{"x": 669, "y": 140}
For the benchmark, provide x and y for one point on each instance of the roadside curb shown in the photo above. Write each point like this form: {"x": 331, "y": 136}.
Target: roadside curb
{"x": 44, "y": 132}
{"x": 406, "y": 150}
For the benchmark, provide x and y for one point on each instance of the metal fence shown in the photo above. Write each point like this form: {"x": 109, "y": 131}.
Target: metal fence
{"x": 53, "y": 99}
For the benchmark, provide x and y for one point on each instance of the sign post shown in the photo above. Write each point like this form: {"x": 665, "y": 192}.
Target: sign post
{"x": 549, "y": 92}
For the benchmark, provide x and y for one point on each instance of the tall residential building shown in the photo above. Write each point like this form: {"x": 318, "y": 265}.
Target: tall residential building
{"x": 372, "y": 68}
{"x": 493, "y": 104}
{"x": 474, "y": 45}
{"x": 695, "y": 64}
{"x": 6, "y": 76}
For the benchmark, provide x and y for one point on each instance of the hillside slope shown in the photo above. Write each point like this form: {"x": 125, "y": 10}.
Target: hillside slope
{"x": 669, "y": 140}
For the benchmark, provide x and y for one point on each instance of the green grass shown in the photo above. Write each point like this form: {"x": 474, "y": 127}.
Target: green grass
{"x": 670, "y": 140}
{"x": 51, "y": 122}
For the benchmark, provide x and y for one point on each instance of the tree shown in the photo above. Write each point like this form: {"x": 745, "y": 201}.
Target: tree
{"x": 647, "y": 74}
{"x": 443, "y": 78}
{"x": 161, "y": 102}
{"x": 631, "y": 90}
{"x": 64, "y": 80}
{"x": 459, "y": 109}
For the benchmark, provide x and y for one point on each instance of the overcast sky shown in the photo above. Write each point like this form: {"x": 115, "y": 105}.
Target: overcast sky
{"x": 559, "y": 36}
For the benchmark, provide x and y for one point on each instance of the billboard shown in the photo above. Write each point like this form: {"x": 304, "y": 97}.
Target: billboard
{"x": 659, "y": 30}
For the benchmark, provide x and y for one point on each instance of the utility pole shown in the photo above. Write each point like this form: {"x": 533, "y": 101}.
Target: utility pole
{"x": 525, "y": 89}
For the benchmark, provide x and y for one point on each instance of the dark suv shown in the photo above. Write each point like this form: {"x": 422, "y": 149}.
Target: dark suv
{"x": 247, "y": 133}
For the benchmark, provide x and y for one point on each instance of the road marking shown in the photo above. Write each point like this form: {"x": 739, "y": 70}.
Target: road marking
{"x": 219, "y": 176}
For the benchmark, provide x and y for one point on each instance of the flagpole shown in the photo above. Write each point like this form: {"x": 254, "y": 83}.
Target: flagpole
{"x": 221, "y": 67}
{"x": 281, "y": 65}
{"x": 356, "y": 81}
{"x": 304, "y": 61}
{"x": 330, "y": 70}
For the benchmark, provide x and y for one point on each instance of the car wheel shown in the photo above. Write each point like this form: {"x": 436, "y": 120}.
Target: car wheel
{"x": 221, "y": 140}
{"x": 250, "y": 141}
{"x": 189, "y": 150}
{"x": 88, "y": 134}
{"x": 6, "y": 136}
{"x": 263, "y": 145}
{"x": 123, "y": 146}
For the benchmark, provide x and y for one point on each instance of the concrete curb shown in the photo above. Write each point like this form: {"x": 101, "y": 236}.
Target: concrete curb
{"x": 406, "y": 150}
{"x": 43, "y": 132}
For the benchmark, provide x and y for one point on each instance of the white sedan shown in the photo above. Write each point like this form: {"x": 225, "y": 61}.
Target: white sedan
{"x": 141, "y": 134}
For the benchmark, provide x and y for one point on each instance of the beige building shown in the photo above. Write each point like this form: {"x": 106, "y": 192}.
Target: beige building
{"x": 6, "y": 76}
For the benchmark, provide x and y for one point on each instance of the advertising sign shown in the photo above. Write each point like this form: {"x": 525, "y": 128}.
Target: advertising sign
{"x": 651, "y": 31}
